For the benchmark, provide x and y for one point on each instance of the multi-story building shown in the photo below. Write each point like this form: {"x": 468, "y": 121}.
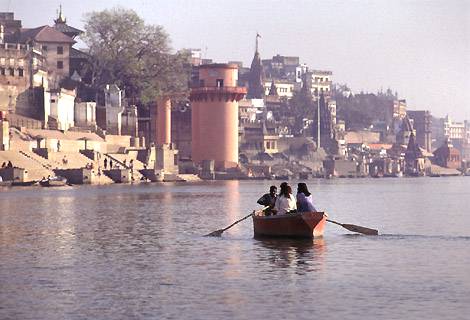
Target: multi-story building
{"x": 422, "y": 124}
{"x": 283, "y": 67}
{"x": 454, "y": 130}
{"x": 318, "y": 81}
{"x": 56, "y": 48}
{"x": 399, "y": 108}
{"x": 22, "y": 67}
{"x": 284, "y": 88}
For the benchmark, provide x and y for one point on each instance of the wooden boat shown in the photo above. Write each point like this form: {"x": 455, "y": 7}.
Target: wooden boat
{"x": 23, "y": 183}
{"x": 295, "y": 225}
{"x": 54, "y": 182}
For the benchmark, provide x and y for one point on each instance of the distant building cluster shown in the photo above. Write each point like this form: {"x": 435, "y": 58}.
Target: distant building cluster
{"x": 277, "y": 118}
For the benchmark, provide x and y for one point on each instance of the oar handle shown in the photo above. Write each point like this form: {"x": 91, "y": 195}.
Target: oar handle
{"x": 335, "y": 222}
{"x": 240, "y": 220}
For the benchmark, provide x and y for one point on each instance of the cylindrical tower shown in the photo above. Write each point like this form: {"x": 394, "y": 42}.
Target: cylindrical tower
{"x": 214, "y": 105}
{"x": 163, "y": 121}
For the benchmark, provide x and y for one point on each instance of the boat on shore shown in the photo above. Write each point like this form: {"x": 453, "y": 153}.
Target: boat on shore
{"x": 23, "y": 183}
{"x": 294, "y": 225}
{"x": 53, "y": 182}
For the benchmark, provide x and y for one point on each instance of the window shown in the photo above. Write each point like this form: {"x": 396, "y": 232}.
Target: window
{"x": 219, "y": 83}
{"x": 2, "y": 71}
{"x": 20, "y": 72}
{"x": 11, "y": 71}
{"x": 201, "y": 83}
{"x": 60, "y": 50}
{"x": 60, "y": 64}
{"x": 44, "y": 48}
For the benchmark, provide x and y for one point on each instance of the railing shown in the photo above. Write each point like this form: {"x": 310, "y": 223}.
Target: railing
{"x": 214, "y": 89}
{"x": 20, "y": 121}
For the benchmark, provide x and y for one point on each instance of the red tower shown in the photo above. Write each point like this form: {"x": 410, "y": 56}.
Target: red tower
{"x": 214, "y": 104}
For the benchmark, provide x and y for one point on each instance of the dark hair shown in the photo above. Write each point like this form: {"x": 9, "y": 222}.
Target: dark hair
{"x": 284, "y": 190}
{"x": 272, "y": 189}
{"x": 302, "y": 188}
{"x": 289, "y": 189}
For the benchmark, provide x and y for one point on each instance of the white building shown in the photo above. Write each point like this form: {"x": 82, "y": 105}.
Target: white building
{"x": 456, "y": 130}
{"x": 321, "y": 81}
{"x": 284, "y": 88}
{"x": 85, "y": 114}
{"x": 114, "y": 108}
{"x": 62, "y": 109}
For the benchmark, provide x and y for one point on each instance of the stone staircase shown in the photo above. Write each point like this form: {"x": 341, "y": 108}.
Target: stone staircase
{"x": 123, "y": 160}
{"x": 36, "y": 169}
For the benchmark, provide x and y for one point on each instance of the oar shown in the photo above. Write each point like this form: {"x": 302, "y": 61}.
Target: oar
{"x": 218, "y": 233}
{"x": 358, "y": 229}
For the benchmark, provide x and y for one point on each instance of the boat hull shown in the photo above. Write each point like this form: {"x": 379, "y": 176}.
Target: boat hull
{"x": 297, "y": 225}
{"x": 53, "y": 183}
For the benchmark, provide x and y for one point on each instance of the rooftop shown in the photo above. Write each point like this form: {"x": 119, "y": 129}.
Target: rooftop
{"x": 44, "y": 34}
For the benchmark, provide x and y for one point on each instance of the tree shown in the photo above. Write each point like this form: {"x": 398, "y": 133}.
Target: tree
{"x": 135, "y": 56}
{"x": 302, "y": 106}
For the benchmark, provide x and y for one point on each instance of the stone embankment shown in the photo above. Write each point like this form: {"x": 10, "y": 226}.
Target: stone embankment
{"x": 81, "y": 157}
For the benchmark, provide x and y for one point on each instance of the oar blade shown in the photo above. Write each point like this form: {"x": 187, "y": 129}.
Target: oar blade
{"x": 216, "y": 233}
{"x": 359, "y": 229}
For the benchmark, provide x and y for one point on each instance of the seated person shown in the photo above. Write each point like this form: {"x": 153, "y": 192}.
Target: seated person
{"x": 285, "y": 202}
{"x": 268, "y": 200}
{"x": 304, "y": 199}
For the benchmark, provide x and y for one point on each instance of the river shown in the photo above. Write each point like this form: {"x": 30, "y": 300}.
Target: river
{"x": 138, "y": 252}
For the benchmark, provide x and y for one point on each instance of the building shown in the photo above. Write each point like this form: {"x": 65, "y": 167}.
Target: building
{"x": 399, "y": 108}
{"x": 282, "y": 88}
{"x": 259, "y": 137}
{"x": 447, "y": 156}
{"x": 22, "y": 67}
{"x": 285, "y": 68}
{"x": 56, "y": 47}
{"x": 320, "y": 82}
{"x": 406, "y": 130}
{"x": 414, "y": 159}
{"x": 62, "y": 109}
{"x": 422, "y": 124}
{"x": 10, "y": 27}
{"x": 456, "y": 130}
{"x": 214, "y": 103}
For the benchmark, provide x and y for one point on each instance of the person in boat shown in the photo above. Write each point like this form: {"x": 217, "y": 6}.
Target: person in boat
{"x": 285, "y": 202}
{"x": 304, "y": 199}
{"x": 269, "y": 200}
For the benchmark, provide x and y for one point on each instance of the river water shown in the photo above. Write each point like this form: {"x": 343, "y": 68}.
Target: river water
{"x": 137, "y": 252}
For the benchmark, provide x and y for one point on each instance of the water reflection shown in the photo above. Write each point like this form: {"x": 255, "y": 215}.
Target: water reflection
{"x": 305, "y": 255}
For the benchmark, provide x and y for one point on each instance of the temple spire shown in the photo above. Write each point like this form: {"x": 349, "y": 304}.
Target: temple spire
{"x": 60, "y": 16}
{"x": 255, "y": 80}
{"x": 256, "y": 45}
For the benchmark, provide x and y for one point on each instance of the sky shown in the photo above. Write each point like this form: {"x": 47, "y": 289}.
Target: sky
{"x": 421, "y": 49}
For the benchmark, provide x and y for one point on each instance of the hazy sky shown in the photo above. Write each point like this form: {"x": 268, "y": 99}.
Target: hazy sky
{"x": 419, "y": 48}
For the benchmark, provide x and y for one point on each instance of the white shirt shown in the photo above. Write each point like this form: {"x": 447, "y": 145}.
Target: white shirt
{"x": 284, "y": 205}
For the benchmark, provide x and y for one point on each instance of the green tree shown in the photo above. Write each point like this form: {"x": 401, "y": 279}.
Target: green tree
{"x": 135, "y": 56}
{"x": 302, "y": 107}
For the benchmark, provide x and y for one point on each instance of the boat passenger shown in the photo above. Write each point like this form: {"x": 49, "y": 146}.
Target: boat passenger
{"x": 269, "y": 200}
{"x": 304, "y": 199}
{"x": 285, "y": 202}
